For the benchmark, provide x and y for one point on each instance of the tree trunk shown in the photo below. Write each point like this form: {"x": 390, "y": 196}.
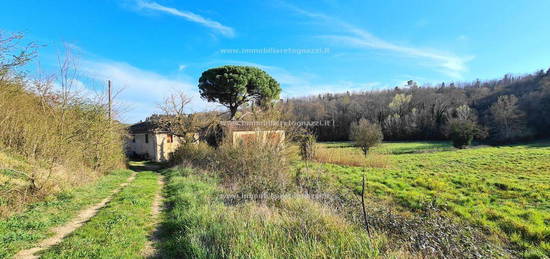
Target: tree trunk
{"x": 233, "y": 111}
{"x": 363, "y": 207}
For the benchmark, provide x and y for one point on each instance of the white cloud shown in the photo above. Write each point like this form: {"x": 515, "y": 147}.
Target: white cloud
{"x": 301, "y": 85}
{"x": 224, "y": 30}
{"x": 142, "y": 90}
{"x": 181, "y": 67}
{"x": 77, "y": 88}
{"x": 449, "y": 64}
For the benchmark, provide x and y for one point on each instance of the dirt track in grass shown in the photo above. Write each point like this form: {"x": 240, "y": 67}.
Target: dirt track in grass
{"x": 150, "y": 251}
{"x": 64, "y": 230}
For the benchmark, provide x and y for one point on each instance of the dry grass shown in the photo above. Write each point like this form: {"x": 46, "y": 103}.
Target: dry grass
{"x": 349, "y": 157}
{"x": 251, "y": 168}
{"x": 17, "y": 190}
{"x": 200, "y": 225}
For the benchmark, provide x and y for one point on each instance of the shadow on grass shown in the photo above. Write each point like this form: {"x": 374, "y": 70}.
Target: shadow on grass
{"x": 540, "y": 143}
{"x": 141, "y": 166}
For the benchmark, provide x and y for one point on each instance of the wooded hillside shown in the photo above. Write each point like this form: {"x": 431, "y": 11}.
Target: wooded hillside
{"x": 512, "y": 108}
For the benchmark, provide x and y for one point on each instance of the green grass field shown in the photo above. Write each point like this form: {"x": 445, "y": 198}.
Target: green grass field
{"x": 502, "y": 189}
{"x": 396, "y": 147}
{"x": 24, "y": 230}
{"x": 119, "y": 230}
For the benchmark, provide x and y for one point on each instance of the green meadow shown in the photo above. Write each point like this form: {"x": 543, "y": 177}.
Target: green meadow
{"x": 504, "y": 190}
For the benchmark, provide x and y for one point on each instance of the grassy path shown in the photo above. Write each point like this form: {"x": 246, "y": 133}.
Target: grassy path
{"x": 120, "y": 230}
{"x": 64, "y": 230}
{"x": 25, "y": 230}
{"x": 150, "y": 249}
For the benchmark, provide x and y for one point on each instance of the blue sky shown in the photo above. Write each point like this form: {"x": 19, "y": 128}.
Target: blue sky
{"x": 150, "y": 48}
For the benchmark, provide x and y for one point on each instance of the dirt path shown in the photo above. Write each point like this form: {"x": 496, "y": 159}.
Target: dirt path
{"x": 150, "y": 251}
{"x": 64, "y": 230}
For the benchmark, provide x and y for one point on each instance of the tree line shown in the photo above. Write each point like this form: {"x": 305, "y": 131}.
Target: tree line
{"x": 506, "y": 110}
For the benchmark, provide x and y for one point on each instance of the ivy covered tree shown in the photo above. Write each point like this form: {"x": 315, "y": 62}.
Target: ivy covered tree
{"x": 462, "y": 129}
{"x": 233, "y": 86}
{"x": 463, "y": 132}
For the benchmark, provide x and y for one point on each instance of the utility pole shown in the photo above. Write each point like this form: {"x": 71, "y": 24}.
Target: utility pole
{"x": 110, "y": 99}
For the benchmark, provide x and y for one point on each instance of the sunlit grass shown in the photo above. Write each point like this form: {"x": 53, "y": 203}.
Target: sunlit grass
{"x": 24, "y": 230}
{"x": 119, "y": 230}
{"x": 200, "y": 225}
{"x": 503, "y": 189}
{"x": 351, "y": 157}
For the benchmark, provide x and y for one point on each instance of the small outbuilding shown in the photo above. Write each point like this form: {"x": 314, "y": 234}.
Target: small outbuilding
{"x": 246, "y": 132}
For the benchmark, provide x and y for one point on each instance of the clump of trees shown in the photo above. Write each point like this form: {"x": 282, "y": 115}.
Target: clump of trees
{"x": 511, "y": 109}
{"x": 366, "y": 134}
{"x": 508, "y": 121}
{"x": 463, "y": 128}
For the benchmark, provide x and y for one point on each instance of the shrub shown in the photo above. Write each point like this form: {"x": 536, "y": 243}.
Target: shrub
{"x": 366, "y": 134}
{"x": 195, "y": 154}
{"x": 307, "y": 147}
{"x": 252, "y": 168}
{"x": 463, "y": 132}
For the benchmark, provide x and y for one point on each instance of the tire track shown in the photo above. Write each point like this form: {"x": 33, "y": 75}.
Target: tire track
{"x": 150, "y": 251}
{"x": 64, "y": 230}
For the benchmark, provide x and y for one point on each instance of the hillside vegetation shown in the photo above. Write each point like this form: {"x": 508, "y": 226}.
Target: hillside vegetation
{"x": 510, "y": 109}
{"x": 50, "y": 137}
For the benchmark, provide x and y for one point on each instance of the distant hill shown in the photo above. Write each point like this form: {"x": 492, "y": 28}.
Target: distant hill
{"x": 421, "y": 112}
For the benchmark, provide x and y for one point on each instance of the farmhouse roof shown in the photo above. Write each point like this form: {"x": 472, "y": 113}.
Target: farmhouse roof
{"x": 151, "y": 124}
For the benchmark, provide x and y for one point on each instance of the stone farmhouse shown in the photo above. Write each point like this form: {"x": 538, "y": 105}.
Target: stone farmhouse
{"x": 147, "y": 140}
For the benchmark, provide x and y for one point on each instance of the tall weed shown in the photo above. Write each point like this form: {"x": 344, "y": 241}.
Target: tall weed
{"x": 64, "y": 138}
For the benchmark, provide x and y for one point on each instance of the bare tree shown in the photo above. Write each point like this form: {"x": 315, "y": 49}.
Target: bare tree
{"x": 175, "y": 104}
{"x": 13, "y": 55}
{"x": 177, "y": 121}
{"x": 507, "y": 119}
